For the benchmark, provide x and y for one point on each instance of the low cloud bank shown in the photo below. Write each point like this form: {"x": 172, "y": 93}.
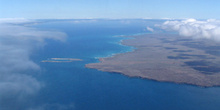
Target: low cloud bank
{"x": 17, "y": 42}
{"x": 208, "y": 29}
{"x": 14, "y": 20}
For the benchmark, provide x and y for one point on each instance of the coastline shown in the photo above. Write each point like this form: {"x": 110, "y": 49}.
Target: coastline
{"x": 120, "y": 42}
{"x": 150, "y": 60}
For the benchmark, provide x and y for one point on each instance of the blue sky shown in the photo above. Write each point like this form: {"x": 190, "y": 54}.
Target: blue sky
{"x": 43, "y": 9}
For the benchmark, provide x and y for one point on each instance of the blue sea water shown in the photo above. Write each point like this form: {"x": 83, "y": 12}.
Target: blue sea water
{"x": 71, "y": 83}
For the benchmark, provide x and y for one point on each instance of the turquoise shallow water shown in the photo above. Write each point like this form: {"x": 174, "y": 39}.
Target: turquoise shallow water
{"x": 72, "y": 84}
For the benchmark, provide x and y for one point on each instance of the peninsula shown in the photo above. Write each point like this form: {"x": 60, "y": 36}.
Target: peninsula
{"x": 167, "y": 58}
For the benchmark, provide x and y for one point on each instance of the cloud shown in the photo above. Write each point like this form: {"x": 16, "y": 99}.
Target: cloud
{"x": 16, "y": 90}
{"x": 208, "y": 29}
{"x": 27, "y": 33}
{"x": 14, "y": 20}
{"x": 17, "y": 43}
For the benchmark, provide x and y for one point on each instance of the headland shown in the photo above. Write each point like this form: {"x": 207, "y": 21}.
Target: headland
{"x": 167, "y": 58}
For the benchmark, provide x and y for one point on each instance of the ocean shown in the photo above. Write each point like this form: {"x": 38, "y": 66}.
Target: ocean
{"x": 71, "y": 86}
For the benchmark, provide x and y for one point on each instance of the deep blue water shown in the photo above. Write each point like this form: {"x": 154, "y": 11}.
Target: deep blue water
{"x": 89, "y": 89}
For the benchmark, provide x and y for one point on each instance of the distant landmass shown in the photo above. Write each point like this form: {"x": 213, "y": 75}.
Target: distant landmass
{"x": 61, "y": 60}
{"x": 167, "y": 58}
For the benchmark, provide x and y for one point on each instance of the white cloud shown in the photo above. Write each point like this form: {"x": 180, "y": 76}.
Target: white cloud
{"x": 209, "y": 29}
{"x": 14, "y": 20}
{"x": 17, "y": 42}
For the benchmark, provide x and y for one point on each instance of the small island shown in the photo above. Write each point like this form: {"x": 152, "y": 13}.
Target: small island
{"x": 167, "y": 58}
{"x": 61, "y": 60}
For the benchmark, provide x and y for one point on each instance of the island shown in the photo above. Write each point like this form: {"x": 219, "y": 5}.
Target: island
{"x": 61, "y": 60}
{"x": 167, "y": 58}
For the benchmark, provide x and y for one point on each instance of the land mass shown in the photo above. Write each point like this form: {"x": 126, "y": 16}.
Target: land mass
{"x": 61, "y": 60}
{"x": 167, "y": 58}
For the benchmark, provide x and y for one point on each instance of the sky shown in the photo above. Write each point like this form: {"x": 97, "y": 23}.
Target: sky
{"x": 76, "y": 9}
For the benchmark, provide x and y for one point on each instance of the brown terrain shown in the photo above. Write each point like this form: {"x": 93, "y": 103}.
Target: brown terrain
{"x": 167, "y": 58}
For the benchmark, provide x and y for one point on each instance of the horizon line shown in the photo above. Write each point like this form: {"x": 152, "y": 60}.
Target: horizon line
{"x": 17, "y": 18}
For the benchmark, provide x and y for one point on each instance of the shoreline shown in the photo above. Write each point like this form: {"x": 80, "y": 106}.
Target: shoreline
{"x": 120, "y": 42}
{"x": 149, "y": 60}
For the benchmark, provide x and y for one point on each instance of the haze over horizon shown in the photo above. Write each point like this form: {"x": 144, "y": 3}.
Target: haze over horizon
{"x": 114, "y": 9}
